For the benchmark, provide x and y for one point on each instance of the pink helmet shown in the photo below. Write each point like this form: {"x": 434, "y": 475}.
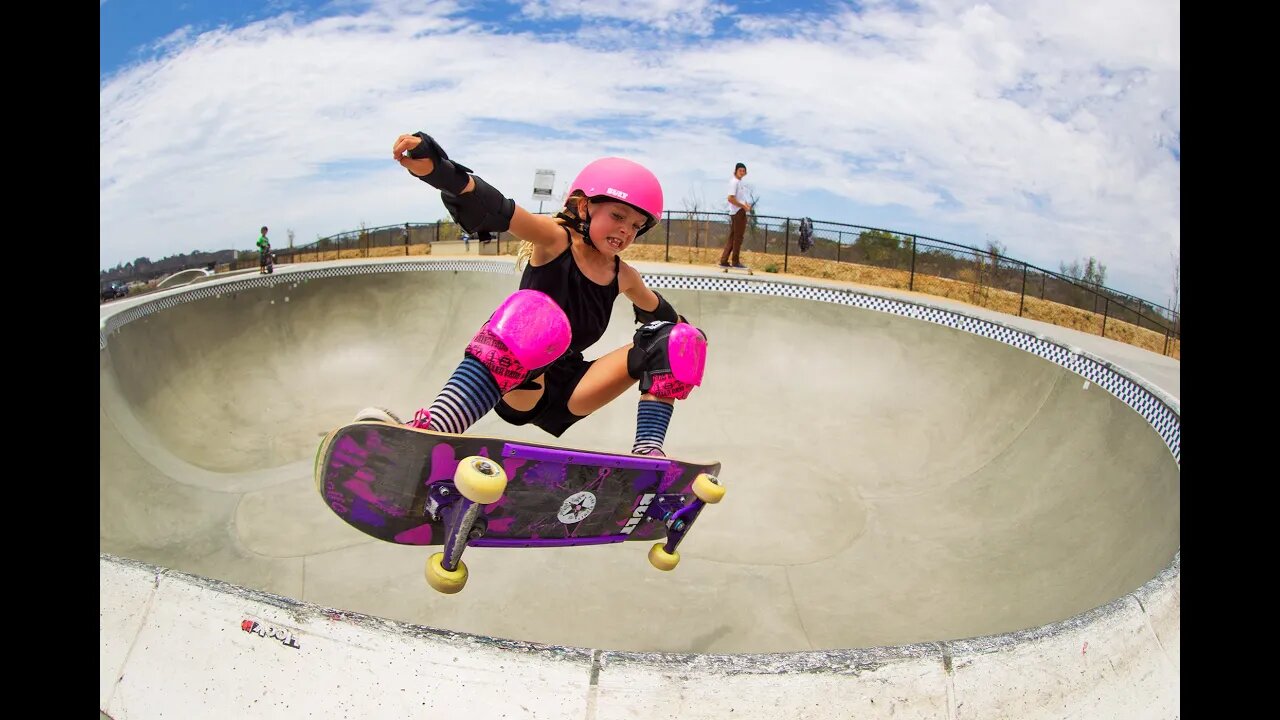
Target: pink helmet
{"x": 621, "y": 180}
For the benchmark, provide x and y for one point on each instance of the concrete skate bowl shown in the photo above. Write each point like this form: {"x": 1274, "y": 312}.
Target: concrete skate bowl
{"x": 922, "y": 505}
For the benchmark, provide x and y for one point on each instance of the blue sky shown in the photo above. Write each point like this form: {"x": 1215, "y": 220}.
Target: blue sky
{"x": 1052, "y": 128}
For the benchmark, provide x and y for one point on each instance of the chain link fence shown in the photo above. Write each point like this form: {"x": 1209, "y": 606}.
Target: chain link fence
{"x": 918, "y": 263}
{"x": 856, "y": 253}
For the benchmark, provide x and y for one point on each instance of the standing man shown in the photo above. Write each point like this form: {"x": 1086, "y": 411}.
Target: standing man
{"x": 264, "y": 247}
{"x": 738, "y": 221}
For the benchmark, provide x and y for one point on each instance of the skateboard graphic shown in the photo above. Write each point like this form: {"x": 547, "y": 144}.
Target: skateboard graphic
{"x": 409, "y": 486}
{"x": 745, "y": 270}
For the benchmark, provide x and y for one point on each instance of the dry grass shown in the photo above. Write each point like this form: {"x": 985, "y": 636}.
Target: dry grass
{"x": 373, "y": 252}
{"x": 963, "y": 291}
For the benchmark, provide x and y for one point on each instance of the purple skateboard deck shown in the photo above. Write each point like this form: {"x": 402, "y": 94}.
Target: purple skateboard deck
{"x": 388, "y": 481}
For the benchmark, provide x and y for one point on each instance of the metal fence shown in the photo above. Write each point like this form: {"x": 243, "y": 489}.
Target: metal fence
{"x": 384, "y": 241}
{"x": 917, "y": 262}
{"x": 917, "y": 257}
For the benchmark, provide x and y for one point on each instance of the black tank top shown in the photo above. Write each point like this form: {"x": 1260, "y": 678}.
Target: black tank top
{"x": 587, "y": 304}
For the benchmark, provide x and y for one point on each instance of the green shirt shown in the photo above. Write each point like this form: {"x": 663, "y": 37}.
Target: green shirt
{"x": 263, "y": 243}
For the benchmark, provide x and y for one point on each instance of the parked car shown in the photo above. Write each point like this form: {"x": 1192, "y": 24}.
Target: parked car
{"x": 114, "y": 289}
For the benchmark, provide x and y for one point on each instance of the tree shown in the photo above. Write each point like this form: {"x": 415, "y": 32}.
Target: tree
{"x": 987, "y": 266}
{"x": 1093, "y": 272}
{"x": 753, "y": 199}
{"x": 879, "y": 246}
{"x": 696, "y": 220}
{"x": 995, "y": 251}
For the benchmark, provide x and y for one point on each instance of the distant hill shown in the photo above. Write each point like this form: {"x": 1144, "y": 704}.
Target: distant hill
{"x": 143, "y": 269}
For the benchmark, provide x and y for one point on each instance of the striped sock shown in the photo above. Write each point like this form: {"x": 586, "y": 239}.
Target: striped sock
{"x": 652, "y": 419}
{"x": 470, "y": 393}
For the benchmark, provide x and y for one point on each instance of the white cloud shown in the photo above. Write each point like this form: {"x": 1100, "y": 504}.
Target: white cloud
{"x": 695, "y": 17}
{"x": 1045, "y": 125}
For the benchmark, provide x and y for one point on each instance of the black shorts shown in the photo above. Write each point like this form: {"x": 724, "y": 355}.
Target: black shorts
{"x": 551, "y": 413}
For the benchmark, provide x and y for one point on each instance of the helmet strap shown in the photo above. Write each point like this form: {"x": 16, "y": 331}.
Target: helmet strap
{"x": 583, "y": 226}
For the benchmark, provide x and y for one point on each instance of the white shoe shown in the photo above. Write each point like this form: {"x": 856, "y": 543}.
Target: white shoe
{"x": 378, "y": 414}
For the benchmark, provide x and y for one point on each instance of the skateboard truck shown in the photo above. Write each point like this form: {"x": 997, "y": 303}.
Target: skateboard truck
{"x": 460, "y": 528}
{"x": 477, "y": 481}
{"x": 441, "y": 496}
{"x": 678, "y": 517}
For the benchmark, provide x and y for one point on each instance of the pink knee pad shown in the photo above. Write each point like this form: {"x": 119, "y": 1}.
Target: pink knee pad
{"x": 687, "y": 349}
{"x": 526, "y": 332}
{"x": 668, "y": 359}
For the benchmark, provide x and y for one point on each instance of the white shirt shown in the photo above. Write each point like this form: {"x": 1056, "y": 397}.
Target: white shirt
{"x": 738, "y": 189}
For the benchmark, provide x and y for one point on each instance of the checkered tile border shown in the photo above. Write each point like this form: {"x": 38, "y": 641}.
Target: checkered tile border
{"x": 1164, "y": 419}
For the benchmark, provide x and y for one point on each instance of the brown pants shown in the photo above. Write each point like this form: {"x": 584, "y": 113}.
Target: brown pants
{"x": 737, "y": 228}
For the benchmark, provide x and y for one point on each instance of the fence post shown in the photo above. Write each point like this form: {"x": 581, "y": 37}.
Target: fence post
{"x": 1165, "y": 351}
{"x": 911, "y": 282}
{"x": 1105, "y": 309}
{"x": 786, "y": 246}
{"x": 839, "y": 242}
{"x": 1022, "y": 294}
{"x": 666, "y": 218}
{"x": 437, "y": 231}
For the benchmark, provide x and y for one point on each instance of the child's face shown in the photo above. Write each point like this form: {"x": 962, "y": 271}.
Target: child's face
{"x": 615, "y": 224}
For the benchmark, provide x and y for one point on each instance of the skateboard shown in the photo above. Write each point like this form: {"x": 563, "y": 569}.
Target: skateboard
{"x": 736, "y": 270}
{"x": 410, "y": 486}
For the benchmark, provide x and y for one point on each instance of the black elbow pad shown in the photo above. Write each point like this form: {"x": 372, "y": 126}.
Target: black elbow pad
{"x": 664, "y": 311}
{"x": 483, "y": 210}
